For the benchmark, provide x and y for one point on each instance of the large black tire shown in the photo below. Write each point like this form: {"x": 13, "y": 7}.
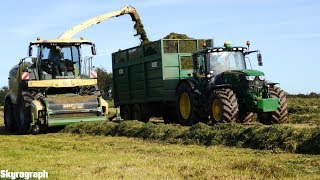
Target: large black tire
{"x": 246, "y": 117}
{"x": 9, "y": 118}
{"x": 224, "y": 107}
{"x": 281, "y": 114}
{"x": 125, "y": 112}
{"x": 138, "y": 113}
{"x": 188, "y": 105}
{"x": 24, "y": 112}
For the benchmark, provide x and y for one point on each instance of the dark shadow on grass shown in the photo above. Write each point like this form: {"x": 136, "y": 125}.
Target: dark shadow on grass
{"x": 3, "y": 132}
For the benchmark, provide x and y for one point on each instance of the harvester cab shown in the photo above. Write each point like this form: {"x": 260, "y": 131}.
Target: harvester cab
{"x": 58, "y": 59}
{"x": 228, "y": 91}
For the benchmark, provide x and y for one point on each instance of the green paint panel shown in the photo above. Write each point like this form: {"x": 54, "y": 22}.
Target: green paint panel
{"x": 155, "y": 92}
{"x": 171, "y": 73}
{"x": 152, "y": 74}
{"x": 123, "y": 87}
{"x": 155, "y": 83}
{"x": 268, "y": 105}
{"x": 138, "y": 94}
{"x": 170, "y": 60}
{"x": 170, "y": 84}
{"x": 138, "y": 85}
{"x": 136, "y": 68}
{"x": 169, "y": 95}
{"x": 55, "y": 122}
{"x": 137, "y": 76}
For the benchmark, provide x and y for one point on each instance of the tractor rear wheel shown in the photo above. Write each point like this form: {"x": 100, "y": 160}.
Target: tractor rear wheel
{"x": 138, "y": 113}
{"x": 224, "y": 106}
{"x": 9, "y": 120}
{"x": 24, "y": 112}
{"x": 188, "y": 105}
{"x": 125, "y": 112}
{"x": 281, "y": 114}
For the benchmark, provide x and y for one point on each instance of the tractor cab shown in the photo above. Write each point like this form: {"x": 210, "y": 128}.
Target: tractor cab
{"x": 59, "y": 59}
{"x": 212, "y": 61}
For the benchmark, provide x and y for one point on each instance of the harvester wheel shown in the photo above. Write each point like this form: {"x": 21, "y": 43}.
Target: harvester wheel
{"x": 188, "y": 105}
{"x": 138, "y": 113}
{"x": 281, "y": 114}
{"x": 125, "y": 112}
{"x": 224, "y": 106}
{"x": 9, "y": 120}
{"x": 24, "y": 112}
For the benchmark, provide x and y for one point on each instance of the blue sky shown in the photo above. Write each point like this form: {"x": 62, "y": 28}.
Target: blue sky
{"x": 286, "y": 32}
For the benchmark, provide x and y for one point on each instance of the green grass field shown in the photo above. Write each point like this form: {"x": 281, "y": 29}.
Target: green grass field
{"x": 80, "y": 156}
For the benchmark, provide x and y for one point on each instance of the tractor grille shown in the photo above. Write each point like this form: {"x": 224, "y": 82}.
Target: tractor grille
{"x": 256, "y": 85}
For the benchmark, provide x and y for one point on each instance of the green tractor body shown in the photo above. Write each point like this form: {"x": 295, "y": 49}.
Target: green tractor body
{"x": 56, "y": 88}
{"x": 185, "y": 81}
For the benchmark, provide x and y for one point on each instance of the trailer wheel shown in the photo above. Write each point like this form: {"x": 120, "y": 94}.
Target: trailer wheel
{"x": 188, "y": 105}
{"x": 9, "y": 120}
{"x": 138, "y": 113}
{"x": 224, "y": 106}
{"x": 125, "y": 112}
{"x": 24, "y": 112}
{"x": 170, "y": 117}
{"x": 281, "y": 114}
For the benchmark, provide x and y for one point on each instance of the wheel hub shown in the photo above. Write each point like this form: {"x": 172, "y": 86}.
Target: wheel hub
{"x": 216, "y": 110}
{"x": 185, "y": 105}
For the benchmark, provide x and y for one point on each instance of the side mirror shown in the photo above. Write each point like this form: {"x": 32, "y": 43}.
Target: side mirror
{"x": 93, "y": 49}
{"x": 259, "y": 57}
{"x": 30, "y": 51}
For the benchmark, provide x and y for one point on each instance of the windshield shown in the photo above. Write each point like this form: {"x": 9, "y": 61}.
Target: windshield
{"x": 226, "y": 60}
{"x": 60, "y": 61}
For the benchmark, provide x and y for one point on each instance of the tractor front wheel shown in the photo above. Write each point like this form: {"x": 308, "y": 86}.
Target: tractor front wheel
{"x": 281, "y": 114}
{"x": 224, "y": 106}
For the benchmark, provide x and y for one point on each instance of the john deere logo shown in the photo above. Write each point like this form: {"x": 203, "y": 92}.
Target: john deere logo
{"x": 73, "y": 106}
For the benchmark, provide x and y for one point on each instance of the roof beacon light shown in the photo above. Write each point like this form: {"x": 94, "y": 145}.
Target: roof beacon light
{"x": 248, "y": 44}
{"x": 227, "y": 44}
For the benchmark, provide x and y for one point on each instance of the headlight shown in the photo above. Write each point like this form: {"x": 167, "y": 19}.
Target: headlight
{"x": 262, "y": 78}
{"x": 250, "y": 78}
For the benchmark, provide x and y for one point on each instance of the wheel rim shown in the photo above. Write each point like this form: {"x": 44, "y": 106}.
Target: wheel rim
{"x": 185, "y": 105}
{"x": 216, "y": 110}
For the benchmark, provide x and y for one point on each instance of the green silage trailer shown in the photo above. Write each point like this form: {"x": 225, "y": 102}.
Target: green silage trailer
{"x": 145, "y": 77}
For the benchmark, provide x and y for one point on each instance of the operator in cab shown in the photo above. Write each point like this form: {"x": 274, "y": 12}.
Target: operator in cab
{"x": 58, "y": 63}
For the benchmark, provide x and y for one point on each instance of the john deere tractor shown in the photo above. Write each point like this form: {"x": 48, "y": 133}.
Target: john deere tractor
{"x": 223, "y": 87}
{"x": 52, "y": 89}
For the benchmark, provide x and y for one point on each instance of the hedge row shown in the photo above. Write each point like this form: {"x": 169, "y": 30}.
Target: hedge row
{"x": 275, "y": 137}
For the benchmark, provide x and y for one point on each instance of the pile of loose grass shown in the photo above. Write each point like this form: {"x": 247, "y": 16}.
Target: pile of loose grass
{"x": 276, "y": 137}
